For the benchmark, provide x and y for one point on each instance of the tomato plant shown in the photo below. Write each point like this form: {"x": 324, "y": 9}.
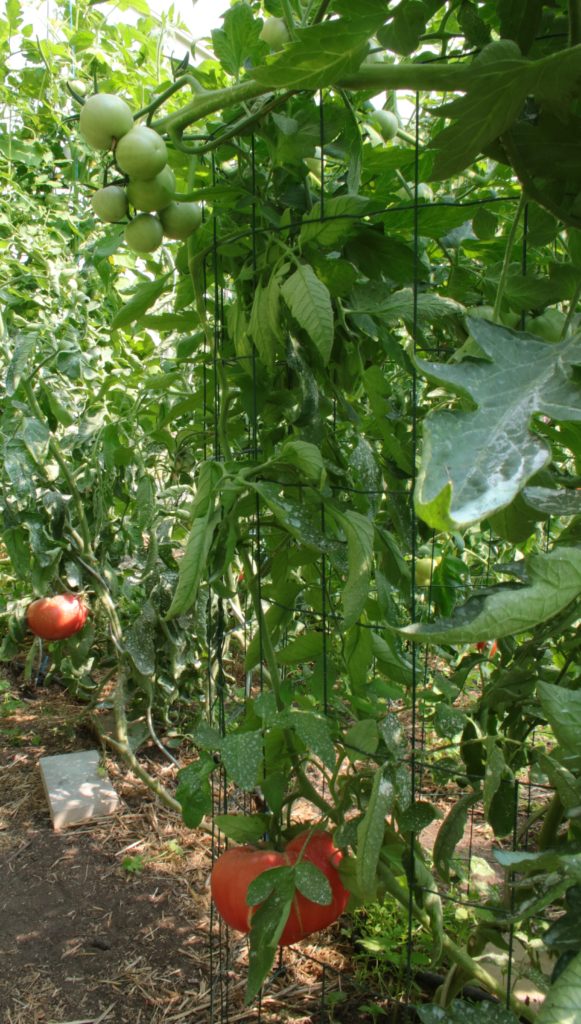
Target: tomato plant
{"x": 58, "y": 617}
{"x": 235, "y": 869}
{"x": 240, "y": 443}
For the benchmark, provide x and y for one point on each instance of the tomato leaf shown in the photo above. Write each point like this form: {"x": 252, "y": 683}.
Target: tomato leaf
{"x": 242, "y": 828}
{"x": 312, "y": 883}
{"x": 193, "y": 791}
{"x": 553, "y": 581}
{"x": 309, "y": 302}
{"x": 313, "y": 730}
{"x": 461, "y": 1012}
{"x": 450, "y": 833}
{"x": 475, "y": 462}
{"x": 280, "y": 880}
{"x": 563, "y": 1001}
{"x": 563, "y": 710}
{"x": 360, "y": 534}
{"x": 142, "y": 299}
{"x": 242, "y": 754}
{"x": 321, "y": 55}
{"x": 371, "y": 830}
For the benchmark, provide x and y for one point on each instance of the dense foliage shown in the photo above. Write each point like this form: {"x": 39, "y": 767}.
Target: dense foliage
{"x": 339, "y": 423}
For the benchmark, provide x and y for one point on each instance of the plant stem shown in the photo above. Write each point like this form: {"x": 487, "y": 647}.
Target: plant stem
{"x": 308, "y": 791}
{"x": 553, "y": 818}
{"x": 507, "y": 258}
{"x": 430, "y": 77}
{"x": 455, "y": 953}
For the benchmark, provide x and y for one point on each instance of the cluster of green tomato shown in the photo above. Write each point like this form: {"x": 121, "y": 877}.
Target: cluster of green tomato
{"x": 106, "y": 122}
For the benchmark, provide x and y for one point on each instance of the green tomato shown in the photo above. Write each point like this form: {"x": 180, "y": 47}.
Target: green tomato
{"x": 110, "y": 203}
{"x": 387, "y": 124}
{"x": 275, "y": 33}
{"x": 104, "y": 118}
{"x": 179, "y": 220}
{"x": 154, "y": 194}
{"x": 141, "y": 153}
{"x": 144, "y": 233}
{"x": 424, "y": 569}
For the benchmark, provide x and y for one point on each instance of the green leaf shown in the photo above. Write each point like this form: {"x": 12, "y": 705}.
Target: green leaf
{"x": 403, "y": 34}
{"x": 475, "y": 462}
{"x": 24, "y": 346}
{"x": 563, "y": 1002}
{"x": 193, "y": 791}
{"x": 553, "y": 502}
{"x": 362, "y": 739}
{"x": 264, "y": 326}
{"x": 143, "y": 297}
{"x": 243, "y": 754}
{"x": 562, "y": 708}
{"x": 238, "y": 41}
{"x": 242, "y": 828}
{"x": 553, "y": 581}
{"x": 309, "y": 302}
{"x": 268, "y": 923}
{"x": 329, "y": 224}
{"x": 307, "y": 647}
{"x": 312, "y": 883}
{"x": 206, "y": 519}
{"x": 321, "y": 55}
{"x": 193, "y": 563}
{"x": 371, "y": 829}
{"x": 461, "y": 1012}
{"x": 306, "y": 457}
{"x": 494, "y": 100}
{"x": 450, "y": 833}
{"x": 313, "y": 730}
{"x": 360, "y": 534}
{"x": 401, "y": 305}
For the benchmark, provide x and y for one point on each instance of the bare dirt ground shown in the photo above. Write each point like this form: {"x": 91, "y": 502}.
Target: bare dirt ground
{"x": 109, "y": 922}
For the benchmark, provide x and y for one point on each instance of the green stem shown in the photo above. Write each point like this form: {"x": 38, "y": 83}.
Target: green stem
{"x": 571, "y": 312}
{"x": 288, "y": 18}
{"x": 307, "y": 789}
{"x": 553, "y": 818}
{"x": 457, "y": 955}
{"x": 508, "y": 258}
{"x": 417, "y": 77}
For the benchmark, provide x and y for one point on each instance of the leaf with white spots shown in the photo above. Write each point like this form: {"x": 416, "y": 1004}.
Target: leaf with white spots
{"x": 552, "y": 582}
{"x": 476, "y": 461}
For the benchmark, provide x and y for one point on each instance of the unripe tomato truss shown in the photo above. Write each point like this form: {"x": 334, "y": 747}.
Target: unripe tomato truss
{"x": 235, "y": 869}
{"x": 58, "y": 617}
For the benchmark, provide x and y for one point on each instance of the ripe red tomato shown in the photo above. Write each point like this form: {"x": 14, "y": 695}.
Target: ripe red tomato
{"x": 55, "y": 618}
{"x": 483, "y": 644}
{"x": 240, "y": 865}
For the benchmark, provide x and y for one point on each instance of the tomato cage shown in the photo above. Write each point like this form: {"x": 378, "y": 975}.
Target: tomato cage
{"x": 411, "y": 753}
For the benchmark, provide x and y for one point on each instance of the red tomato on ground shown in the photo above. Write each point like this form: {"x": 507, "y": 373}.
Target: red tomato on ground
{"x": 55, "y": 618}
{"x": 483, "y": 644}
{"x": 239, "y": 866}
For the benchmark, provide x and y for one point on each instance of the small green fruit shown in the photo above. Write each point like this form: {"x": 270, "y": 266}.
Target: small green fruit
{"x": 141, "y": 153}
{"x": 179, "y": 220}
{"x": 144, "y": 233}
{"x": 104, "y": 118}
{"x": 386, "y": 123}
{"x": 275, "y": 33}
{"x": 110, "y": 203}
{"x": 154, "y": 194}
